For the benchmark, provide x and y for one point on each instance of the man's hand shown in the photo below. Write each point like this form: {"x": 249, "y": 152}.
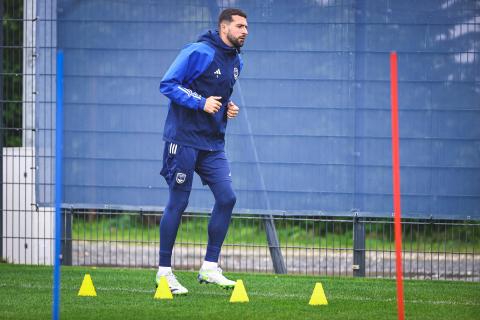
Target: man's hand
{"x": 232, "y": 110}
{"x": 212, "y": 105}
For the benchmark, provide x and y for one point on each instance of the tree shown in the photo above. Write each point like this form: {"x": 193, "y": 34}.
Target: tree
{"x": 11, "y": 54}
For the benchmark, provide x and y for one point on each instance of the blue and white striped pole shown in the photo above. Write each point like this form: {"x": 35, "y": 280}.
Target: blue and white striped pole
{"x": 58, "y": 188}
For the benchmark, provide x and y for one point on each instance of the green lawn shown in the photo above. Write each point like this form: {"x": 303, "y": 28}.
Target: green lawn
{"x": 25, "y": 293}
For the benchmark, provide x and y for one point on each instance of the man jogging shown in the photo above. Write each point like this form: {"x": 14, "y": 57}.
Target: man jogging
{"x": 199, "y": 84}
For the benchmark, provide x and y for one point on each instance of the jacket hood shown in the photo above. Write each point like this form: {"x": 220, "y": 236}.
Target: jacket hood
{"x": 213, "y": 38}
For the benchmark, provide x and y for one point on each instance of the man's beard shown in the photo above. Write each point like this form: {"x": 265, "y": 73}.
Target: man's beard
{"x": 235, "y": 41}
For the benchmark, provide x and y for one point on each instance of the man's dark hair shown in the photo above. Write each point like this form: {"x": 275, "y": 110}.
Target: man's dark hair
{"x": 226, "y": 15}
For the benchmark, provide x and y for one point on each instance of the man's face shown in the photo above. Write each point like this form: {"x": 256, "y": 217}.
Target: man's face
{"x": 237, "y": 31}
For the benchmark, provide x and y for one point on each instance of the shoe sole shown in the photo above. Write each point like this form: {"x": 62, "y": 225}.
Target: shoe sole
{"x": 226, "y": 287}
{"x": 176, "y": 294}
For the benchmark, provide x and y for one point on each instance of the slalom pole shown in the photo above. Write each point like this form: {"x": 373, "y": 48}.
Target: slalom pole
{"x": 396, "y": 182}
{"x": 58, "y": 187}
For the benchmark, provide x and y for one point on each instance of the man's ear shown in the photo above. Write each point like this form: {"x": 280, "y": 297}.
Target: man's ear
{"x": 223, "y": 26}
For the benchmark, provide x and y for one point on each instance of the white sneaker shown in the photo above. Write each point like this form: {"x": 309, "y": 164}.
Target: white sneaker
{"x": 173, "y": 284}
{"x": 215, "y": 276}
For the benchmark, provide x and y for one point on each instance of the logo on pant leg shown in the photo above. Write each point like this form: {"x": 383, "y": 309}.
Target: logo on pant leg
{"x": 180, "y": 178}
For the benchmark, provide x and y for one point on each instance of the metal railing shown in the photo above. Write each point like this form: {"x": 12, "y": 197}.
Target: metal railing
{"x": 334, "y": 246}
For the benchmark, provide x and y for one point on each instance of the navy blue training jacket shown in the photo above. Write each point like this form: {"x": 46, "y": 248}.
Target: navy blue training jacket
{"x": 202, "y": 69}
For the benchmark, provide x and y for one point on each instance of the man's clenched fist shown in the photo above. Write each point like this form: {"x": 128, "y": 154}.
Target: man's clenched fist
{"x": 212, "y": 105}
{"x": 232, "y": 110}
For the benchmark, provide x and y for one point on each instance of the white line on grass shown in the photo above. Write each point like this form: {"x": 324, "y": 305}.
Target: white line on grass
{"x": 253, "y": 293}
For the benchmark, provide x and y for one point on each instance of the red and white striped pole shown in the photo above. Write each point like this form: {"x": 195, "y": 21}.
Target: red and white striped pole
{"x": 396, "y": 182}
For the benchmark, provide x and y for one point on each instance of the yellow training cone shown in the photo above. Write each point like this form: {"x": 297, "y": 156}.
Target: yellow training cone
{"x": 163, "y": 290}
{"x": 239, "y": 293}
{"x": 87, "y": 289}
{"x": 318, "y": 296}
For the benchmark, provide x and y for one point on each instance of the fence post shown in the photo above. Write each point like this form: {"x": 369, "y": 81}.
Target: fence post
{"x": 274, "y": 246}
{"x": 67, "y": 237}
{"x": 358, "y": 247}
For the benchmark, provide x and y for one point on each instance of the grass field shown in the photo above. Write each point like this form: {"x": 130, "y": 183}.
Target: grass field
{"x": 310, "y": 233}
{"x": 25, "y": 293}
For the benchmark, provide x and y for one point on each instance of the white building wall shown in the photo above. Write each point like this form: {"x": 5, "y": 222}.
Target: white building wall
{"x": 28, "y": 231}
